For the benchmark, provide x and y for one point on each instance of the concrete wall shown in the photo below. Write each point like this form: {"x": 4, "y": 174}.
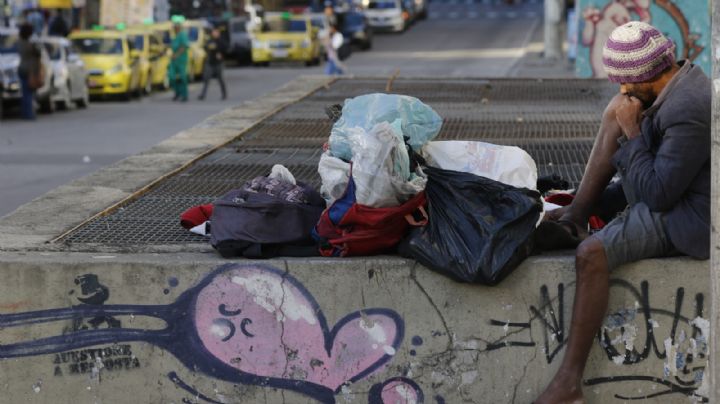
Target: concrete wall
{"x": 686, "y": 22}
{"x": 86, "y": 328}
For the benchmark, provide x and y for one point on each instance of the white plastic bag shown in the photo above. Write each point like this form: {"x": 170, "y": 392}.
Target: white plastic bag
{"x": 380, "y": 167}
{"x": 334, "y": 174}
{"x": 507, "y": 164}
{"x": 417, "y": 121}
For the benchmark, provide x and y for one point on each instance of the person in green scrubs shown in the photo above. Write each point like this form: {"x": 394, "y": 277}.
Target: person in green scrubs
{"x": 177, "y": 69}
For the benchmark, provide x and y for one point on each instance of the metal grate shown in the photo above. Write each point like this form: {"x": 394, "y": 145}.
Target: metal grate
{"x": 555, "y": 121}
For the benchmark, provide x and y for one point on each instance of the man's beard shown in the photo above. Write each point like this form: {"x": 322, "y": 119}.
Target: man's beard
{"x": 646, "y": 97}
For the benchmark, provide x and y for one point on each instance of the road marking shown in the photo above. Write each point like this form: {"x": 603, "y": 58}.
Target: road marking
{"x": 511, "y": 14}
{"x": 531, "y": 14}
{"x": 434, "y": 15}
{"x": 453, "y": 15}
{"x": 473, "y": 14}
{"x": 493, "y": 14}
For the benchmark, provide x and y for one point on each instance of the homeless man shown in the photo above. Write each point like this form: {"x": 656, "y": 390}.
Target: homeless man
{"x": 655, "y": 135}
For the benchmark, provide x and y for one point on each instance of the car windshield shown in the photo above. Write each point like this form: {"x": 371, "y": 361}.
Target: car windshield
{"x": 239, "y": 26}
{"x": 318, "y": 23}
{"x": 353, "y": 19}
{"x": 8, "y": 44}
{"x": 53, "y": 51}
{"x": 137, "y": 41}
{"x": 382, "y": 5}
{"x": 102, "y": 46}
{"x": 285, "y": 26}
{"x": 194, "y": 33}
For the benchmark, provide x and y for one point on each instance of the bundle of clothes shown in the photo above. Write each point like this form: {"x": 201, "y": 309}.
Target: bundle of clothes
{"x": 465, "y": 209}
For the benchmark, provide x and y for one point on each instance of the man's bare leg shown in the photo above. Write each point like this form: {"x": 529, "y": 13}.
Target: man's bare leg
{"x": 598, "y": 172}
{"x": 591, "y": 300}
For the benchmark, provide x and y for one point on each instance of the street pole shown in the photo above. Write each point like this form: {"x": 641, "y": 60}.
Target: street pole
{"x": 553, "y": 29}
{"x": 714, "y": 393}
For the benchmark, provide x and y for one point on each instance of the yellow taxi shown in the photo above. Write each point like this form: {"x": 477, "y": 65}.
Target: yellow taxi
{"x": 197, "y": 34}
{"x": 108, "y": 58}
{"x": 140, "y": 51}
{"x": 148, "y": 42}
{"x": 286, "y": 38}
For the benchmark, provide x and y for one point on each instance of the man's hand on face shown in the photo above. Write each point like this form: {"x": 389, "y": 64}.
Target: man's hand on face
{"x": 629, "y": 116}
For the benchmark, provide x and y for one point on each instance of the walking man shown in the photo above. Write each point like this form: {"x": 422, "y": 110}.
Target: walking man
{"x": 215, "y": 48}
{"x": 29, "y": 71}
{"x": 656, "y": 135}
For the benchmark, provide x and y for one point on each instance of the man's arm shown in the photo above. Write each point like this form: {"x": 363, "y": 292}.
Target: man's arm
{"x": 660, "y": 180}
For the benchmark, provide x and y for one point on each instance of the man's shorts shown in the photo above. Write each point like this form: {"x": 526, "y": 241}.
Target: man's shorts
{"x": 635, "y": 234}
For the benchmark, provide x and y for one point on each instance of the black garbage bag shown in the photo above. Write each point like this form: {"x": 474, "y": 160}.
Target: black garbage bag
{"x": 479, "y": 230}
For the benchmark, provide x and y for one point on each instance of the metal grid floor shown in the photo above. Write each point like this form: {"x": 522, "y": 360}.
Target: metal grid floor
{"x": 555, "y": 121}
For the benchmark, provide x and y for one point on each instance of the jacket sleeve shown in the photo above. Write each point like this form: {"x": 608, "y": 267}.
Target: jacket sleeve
{"x": 659, "y": 180}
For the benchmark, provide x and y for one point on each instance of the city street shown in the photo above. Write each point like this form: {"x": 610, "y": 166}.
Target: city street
{"x": 458, "y": 39}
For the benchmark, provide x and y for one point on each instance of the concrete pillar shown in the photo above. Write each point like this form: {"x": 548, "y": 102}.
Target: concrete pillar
{"x": 715, "y": 195}
{"x": 553, "y": 29}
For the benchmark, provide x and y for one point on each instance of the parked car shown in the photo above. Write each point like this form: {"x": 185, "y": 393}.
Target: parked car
{"x": 69, "y": 79}
{"x": 197, "y": 33}
{"x": 286, "y": 39}
{"x": 386, "y": 15}
{"x": 111, "y": 68}
{"x": 9, "y": 62}
{"x": 354, "y": 26}
{"x": 239, "y": 37}
{"x": 139, "y": 41}
{"x": 158, "y": 53}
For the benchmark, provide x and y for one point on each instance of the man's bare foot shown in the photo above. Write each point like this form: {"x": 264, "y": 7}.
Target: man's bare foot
{"x": 574, "y": 227}
{"x": 561, "y": 390}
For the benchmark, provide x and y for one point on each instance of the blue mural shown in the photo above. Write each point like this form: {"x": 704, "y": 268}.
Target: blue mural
{"x": 687, "y": 22}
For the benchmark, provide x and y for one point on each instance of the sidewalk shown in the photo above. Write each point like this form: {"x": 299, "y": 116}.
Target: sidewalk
{"x": 534, "y": 65}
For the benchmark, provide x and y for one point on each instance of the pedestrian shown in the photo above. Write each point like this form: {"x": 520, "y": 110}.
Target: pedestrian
{"x": 58, "y": 26}
{"x": 215, "y": 48}
{"x": 36, "y": 19}
{"x": 332, "y": 43}
{"x": 655, "y": 134}
{"x": 29, "y": 71}
{"x": 177, "y": 69}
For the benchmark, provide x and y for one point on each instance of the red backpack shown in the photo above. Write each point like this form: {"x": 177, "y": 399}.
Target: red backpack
{"x": 348, "y": 228}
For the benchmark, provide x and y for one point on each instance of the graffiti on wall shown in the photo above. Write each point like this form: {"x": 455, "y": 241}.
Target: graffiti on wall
{"x": 249, "y": 324}
{"x": 629, "y": 336}
{"x": 686, "y": 22}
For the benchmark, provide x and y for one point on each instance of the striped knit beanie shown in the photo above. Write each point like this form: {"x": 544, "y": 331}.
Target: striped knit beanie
{"x": 637, "y": 52}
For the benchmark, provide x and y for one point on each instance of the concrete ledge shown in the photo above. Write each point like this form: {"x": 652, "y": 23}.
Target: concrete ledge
{"x": 403, "y": 329}
{"x": 34, "y": 224}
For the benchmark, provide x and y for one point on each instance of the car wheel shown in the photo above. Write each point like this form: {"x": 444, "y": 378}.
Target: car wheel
{"x": 84, "y": 101}
{"x": 127, "y": 95}
{"x": 148, "y": 84}
{"x": 366, "y": 45}
{"x": 47, "y": 105}
{"x": 64, "y": 105}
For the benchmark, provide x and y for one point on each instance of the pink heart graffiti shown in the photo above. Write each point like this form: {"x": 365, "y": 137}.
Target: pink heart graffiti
{"x": 265, "y": 323}
{"x": 248, "y": 324}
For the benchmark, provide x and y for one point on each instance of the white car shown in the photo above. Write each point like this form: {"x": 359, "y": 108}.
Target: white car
{"x": 9, "y": 80}
{"x": 386, "y": 15}
{"x": 69, "y": 79}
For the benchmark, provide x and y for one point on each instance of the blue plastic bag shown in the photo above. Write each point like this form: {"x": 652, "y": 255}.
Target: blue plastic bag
{"x": 418, "y": 121}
